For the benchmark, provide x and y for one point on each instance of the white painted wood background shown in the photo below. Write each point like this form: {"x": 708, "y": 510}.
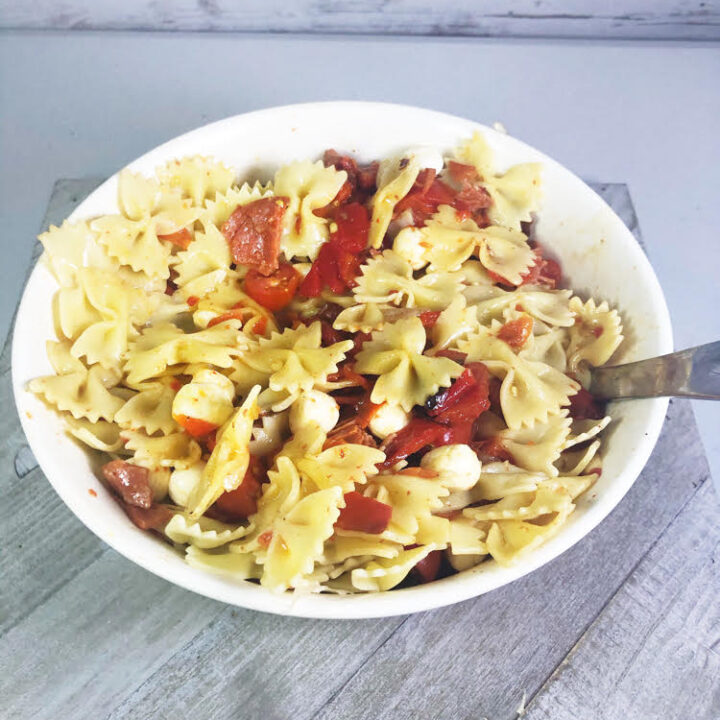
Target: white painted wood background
{"x": 649, "y": 19}
{"x": 624, "y": 625}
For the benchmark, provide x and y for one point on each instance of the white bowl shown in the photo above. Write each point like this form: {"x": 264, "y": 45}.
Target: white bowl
{"x": 599, "y": 256}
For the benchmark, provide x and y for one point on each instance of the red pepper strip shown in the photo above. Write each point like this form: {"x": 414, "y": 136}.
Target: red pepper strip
{"x": 338, "y": 262}
{"x": 416, "y": 435}
{"x": 429, "y": 567}
{"x": 363, "y": 514}
{"x": 424, "y": 199}
{"x": 465, "y": 400}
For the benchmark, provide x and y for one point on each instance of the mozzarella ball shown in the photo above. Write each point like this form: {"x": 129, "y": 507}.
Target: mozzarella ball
{"x": 457, "y": 466}
{"x": 407, "y": 246}
{"x": 388, "y": 420}
{"x": 183, "y": 482}
{"x": 208, "y": 397}
{"x": 317, "y": 407}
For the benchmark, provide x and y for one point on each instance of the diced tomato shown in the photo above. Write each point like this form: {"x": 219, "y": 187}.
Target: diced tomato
{"x": 584, "y": 406}
{"x": 516, "y": 332}
{"x": 193, "y": 300}
{"x": 264, "y": 539}
{"x": 429, "y": 318}
{"x": 274, "y": 291}
{"x": 253, "y": 233}
{"x": 240, "y": 503}
{"x": 429, "y": 567}
{"x": 364, "y": 514}
{"x": 195, "y": 427}
{"x": 182, "y": 238}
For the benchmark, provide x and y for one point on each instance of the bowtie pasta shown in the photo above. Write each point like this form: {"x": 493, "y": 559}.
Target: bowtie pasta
{"x": 347, "y": 378}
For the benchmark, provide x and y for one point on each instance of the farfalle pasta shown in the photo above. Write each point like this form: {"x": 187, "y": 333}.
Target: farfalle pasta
{"x": 351, "y": 378}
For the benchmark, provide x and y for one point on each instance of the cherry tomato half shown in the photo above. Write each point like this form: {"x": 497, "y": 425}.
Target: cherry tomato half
{"x": 274, "y": 291}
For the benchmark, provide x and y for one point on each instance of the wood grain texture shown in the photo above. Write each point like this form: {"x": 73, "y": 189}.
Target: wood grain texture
{"x": 85, "y": 633}
{"x": 655, "y": 650}
{"x": 495, "y": 648}
{"x": 656, "y": 19}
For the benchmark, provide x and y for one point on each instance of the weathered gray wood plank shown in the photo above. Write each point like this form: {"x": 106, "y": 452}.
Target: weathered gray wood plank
{"x": 478, "y": 658}
{"x": 34, "y": 564}
{"x": 656, "y": 19}
{"x": 254, "y": 665}
{"x": 95, "y": 640}
{"x": 654, "y": 652}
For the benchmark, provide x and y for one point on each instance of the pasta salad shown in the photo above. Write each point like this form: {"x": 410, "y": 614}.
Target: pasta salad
{"x": 347, "y": 379}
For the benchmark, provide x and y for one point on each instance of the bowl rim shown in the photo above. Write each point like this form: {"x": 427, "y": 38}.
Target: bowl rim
{"x": 381, "y": 604}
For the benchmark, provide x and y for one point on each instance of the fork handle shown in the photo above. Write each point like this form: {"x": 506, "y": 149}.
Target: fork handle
{"x": 693, "y": 373}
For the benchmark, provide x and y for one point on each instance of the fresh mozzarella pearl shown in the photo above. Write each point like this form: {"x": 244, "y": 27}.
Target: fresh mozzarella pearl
{"x": 457, "y": 466}
{"x": 183, "y": 482}
{"x": 314, "y": 407}
{"x": 407, "y": 246}
{"x": 387, "y": 420}
{"x": 208, "y": 397}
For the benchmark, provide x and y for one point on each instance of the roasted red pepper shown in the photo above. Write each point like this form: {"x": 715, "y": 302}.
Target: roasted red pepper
{"x": 338, "y": 262}
{"x": 364, "y": 514}
{"x": 465, "y": 400}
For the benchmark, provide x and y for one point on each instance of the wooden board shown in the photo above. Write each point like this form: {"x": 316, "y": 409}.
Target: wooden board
{"x": 656, "y": 19}
{"x": 625, "y": 624}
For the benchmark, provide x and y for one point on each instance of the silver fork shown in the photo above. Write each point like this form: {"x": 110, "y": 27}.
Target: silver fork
{"x": 693, "y": 373}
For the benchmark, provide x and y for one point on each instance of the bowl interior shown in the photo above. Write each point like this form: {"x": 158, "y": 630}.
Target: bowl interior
{"x": 599, "y": 257}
